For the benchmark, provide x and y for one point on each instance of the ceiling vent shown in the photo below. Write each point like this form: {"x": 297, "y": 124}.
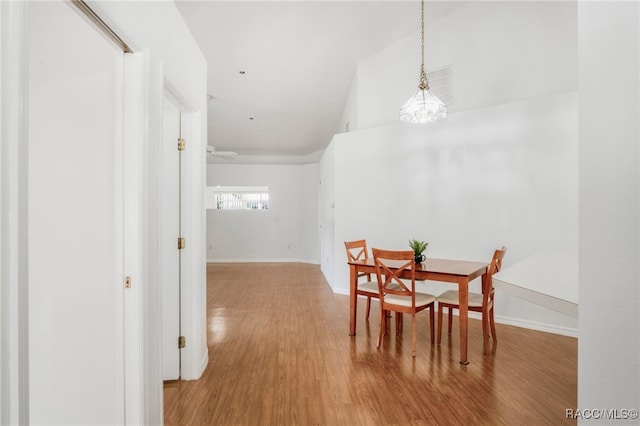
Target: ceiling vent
{"x": 440, "y": 83}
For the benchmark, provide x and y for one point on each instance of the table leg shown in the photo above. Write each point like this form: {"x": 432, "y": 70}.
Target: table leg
{"x": 353, "y": 299}
{"x": 463, "y": 294}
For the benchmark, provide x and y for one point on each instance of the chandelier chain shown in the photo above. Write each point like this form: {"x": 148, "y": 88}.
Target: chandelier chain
{"x": 424, "y": 84}
{"x": 423, "y": 106}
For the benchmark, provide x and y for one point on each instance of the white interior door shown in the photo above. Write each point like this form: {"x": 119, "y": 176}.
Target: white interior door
{"x": 75, "y": 216}
{"x": 170, "y": 224}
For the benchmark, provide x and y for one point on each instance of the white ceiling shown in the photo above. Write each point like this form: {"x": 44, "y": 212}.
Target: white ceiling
{"x": 299, "y": 59}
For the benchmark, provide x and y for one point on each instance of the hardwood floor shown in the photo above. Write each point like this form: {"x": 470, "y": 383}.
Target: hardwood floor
{"x": 280, "y": 354}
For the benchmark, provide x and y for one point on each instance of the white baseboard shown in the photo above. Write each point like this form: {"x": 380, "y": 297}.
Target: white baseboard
{"x": 343, "y": 291}
{"x": 197, "y": 372}
{"x": 309, "y": 261}
{"x": 538, "y": 326}
{"x": 204, "y": 362}
{"x": 516, "y": 322}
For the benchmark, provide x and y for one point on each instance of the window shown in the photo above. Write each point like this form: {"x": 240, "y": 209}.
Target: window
{"x": 237, "y": 198}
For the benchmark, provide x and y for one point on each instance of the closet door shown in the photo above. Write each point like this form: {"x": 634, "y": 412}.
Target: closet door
{"x": 75, "y": 220}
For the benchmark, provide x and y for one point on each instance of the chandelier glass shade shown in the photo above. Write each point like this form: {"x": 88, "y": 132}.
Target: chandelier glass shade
{"x": 423, "y": 106}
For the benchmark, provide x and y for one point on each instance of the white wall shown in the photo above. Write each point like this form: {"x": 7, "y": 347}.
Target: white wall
{"x": 468, "y": 184}
{"x": 75, "y": 234}
{"x": 500, "y": 52}
{"x": 350, "y": 113}
{"x": 287, "y": 231}
{"x": 609, "y": 343}
{"x": 327, "y": 213}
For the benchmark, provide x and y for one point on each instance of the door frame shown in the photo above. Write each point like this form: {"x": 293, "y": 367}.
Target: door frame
{"x": 169, "y": 232}
{"x": 14, "y": 298}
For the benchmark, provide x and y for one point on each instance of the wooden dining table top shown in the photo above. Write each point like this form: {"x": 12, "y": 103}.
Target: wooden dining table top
{"x": 462, "y": 268}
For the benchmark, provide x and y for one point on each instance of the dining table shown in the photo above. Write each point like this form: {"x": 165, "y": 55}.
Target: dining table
{"x": 459, "y": 272}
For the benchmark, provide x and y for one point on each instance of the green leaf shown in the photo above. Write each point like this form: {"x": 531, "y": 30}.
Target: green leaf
{"x": 418, "y": 246}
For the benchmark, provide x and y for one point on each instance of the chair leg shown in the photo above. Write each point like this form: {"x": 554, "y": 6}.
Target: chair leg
{"x": 431, "y": 314}
{"x": 382, "y": 326}
{"x": 492, "y": 322}
{"x": 485, "y": 331}
{"x": 399, "y": 322}
{"x": 450, "y": 311}
{"x": 368, "y": 307}
{"x": 440, "y": 308}
{"x": 413, "y": 334}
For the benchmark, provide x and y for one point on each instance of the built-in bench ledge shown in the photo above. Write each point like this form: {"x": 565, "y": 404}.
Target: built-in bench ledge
{"x": 548, "y": 278}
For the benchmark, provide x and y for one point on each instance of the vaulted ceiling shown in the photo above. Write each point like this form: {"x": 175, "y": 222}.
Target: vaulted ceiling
{"x": 279, "y": 71}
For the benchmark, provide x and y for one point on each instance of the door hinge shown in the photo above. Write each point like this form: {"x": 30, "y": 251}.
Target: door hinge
{"x": 181, "y": 243}
{"x": 127, "y": 282}
{"x": 181, "y": 144}
{"x": 182, "y": 342}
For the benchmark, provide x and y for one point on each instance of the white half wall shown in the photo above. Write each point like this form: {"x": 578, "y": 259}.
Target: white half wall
{"x": 502, "y": 175}
{"x": 287, "y": 232}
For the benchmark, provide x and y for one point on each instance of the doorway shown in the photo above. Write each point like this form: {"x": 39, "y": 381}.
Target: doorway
{"x": 171, "y": 243}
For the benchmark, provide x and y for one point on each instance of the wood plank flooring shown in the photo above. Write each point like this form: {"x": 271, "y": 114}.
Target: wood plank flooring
{"x": 280, "y": 354}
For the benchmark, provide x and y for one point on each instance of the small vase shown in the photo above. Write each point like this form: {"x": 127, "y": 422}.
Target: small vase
{"x": 419, "y": 258}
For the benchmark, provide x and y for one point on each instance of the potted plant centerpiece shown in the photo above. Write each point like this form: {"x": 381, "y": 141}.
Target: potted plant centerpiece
{"x": 418, "y": 248}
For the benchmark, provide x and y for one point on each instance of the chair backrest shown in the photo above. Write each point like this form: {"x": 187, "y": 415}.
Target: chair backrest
{"x": 390, "y": 264}
{"x": 496, "y": 261}
{"x": 494, "y": 266}
{"x": 356, "y": 250}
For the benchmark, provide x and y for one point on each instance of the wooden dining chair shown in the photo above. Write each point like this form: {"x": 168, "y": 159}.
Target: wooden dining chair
{"x": 477, "y": 302}
{"x": 357, "y": 250}
{"x": 397, "y": 295}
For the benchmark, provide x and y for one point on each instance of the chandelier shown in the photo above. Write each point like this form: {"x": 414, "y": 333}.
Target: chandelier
{"x": 423, "y": 106}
